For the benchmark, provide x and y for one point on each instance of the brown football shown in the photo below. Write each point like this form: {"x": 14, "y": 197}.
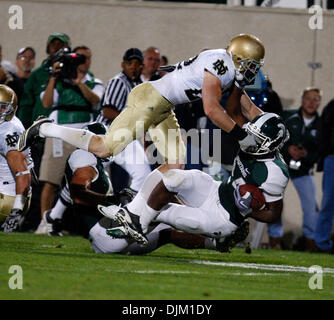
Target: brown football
{"x": 258, "y": 202}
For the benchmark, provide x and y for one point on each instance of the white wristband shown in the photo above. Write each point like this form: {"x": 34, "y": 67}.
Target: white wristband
{"x": 19, "y": 202}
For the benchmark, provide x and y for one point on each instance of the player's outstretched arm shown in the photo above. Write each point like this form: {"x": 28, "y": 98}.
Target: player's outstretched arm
{"x": 270, "y": 214}
{"x": 248, "y": 108}
{"x": 211, "y": 96}
{"x": 233, "y": 106}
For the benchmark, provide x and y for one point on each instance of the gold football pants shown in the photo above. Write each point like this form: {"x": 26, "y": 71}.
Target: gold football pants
{"x": 147, "y": 110}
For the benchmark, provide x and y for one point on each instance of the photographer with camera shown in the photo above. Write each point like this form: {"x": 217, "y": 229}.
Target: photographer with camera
{"x": 301, "y": 153}
{"x": 73, "y": 94}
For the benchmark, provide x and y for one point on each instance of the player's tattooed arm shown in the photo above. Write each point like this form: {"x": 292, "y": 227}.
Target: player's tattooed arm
{"x": 270, "y": 214}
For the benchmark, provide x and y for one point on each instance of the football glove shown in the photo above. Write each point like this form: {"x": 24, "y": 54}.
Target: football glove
{"x": 244, "y": 202}
{"x": 12, "y": 221}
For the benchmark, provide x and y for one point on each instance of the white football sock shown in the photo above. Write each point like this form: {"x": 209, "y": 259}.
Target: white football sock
{"x": 58, "y": 210}
{"x": 148, "y": 214}
{"x": 79, "y": 138}
{"x": 139, "y": 201}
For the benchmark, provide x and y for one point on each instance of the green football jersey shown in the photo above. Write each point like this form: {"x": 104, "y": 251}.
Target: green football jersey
{"x": 270, "y": 175}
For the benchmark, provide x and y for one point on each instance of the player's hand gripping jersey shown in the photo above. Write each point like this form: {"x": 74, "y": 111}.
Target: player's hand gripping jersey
{"x": 184, "y": 84}
{"x": 270, "y": 175}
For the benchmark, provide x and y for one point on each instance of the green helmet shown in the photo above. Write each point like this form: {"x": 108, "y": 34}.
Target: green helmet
{"x": 269, "y": 132}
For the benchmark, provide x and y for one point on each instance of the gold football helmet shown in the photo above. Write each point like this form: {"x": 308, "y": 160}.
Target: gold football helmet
{"x": 247, "y": 53}
{"x": 8, "y": 103}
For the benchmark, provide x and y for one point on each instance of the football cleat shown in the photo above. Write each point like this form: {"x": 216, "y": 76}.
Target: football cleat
{"x": 109, "y": 211}
{"x": 132, "y": 228}
{"x": 117, "y": 232}
{"x": 29, "y": 136}
{"x": 53, "y": 226}
{"x": 232, "y": 240}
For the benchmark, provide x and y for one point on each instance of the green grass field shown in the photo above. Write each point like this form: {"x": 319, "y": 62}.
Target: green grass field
{"x": 67, "y": 268}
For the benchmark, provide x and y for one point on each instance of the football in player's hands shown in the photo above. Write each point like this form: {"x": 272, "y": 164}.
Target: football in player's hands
{"x": 258, "y": 201}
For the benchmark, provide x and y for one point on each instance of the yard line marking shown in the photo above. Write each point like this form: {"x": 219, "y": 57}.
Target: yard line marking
{"x": 272, "y": 267}
{"x": 159, "y": 271}
{"x": 199, "y": 273}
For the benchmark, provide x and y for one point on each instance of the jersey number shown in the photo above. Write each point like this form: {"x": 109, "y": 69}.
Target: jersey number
{"x": 186, "y": 63}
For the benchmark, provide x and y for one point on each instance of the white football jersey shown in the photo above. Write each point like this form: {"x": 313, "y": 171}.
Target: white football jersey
{"x": 9, "y": 135}
{"x": 184, "y": 84}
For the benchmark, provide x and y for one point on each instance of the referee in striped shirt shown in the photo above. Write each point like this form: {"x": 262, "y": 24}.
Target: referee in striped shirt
{"x": 113, "y": 102}
{"x": 119, "y": 87}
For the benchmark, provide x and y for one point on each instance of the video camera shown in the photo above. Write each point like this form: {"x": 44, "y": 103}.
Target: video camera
{"x": 69, "y": 61}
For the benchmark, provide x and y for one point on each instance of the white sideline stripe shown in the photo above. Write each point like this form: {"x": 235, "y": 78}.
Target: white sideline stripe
{"x": 198, "y": 272}
{"x": 272, "y": 267}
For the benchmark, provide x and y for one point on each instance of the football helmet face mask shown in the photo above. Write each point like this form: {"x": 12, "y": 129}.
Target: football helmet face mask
{"x": 8, "y": 103}
{"x": 269, "y": 132}
{"x": 247, "y": 53}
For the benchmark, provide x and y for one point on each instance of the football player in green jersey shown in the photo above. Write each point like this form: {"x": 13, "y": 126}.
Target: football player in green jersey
{"x": 209, "y": 207}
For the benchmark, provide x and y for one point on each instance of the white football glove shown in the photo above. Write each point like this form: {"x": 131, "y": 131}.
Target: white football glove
{"x": 244, "y": 202}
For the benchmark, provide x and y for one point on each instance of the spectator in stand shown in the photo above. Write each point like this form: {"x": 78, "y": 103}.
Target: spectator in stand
{"x": 113, "y": 103}
{"x": 25, "y": 63}
{"x": 301, "y": 153}
{"x": 72, "y": 102}
{"x": 325, "y": 140}
{"x": 10, "y": 79}
{"x": 151, "y": 65}
{"x": 30, "y": 108}
{"x": 31, "y": 105}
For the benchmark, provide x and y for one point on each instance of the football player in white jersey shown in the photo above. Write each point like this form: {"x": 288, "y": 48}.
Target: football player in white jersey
{"x": 15, "y": 177}
{"x": 150, "y": 105}
{"x": 208, "y": 207}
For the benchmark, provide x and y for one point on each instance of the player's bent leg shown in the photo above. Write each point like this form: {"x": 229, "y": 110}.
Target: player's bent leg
{"x": 191, "y": 186}
{"x": 192, "y": 220}
{"x": 167, "y": 138}
{"x": 145, "y": 107}
{"x": 43, "y": 128}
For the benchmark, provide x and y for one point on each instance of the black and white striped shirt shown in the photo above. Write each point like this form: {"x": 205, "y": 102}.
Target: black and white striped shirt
{"x": 115, "y": 95}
